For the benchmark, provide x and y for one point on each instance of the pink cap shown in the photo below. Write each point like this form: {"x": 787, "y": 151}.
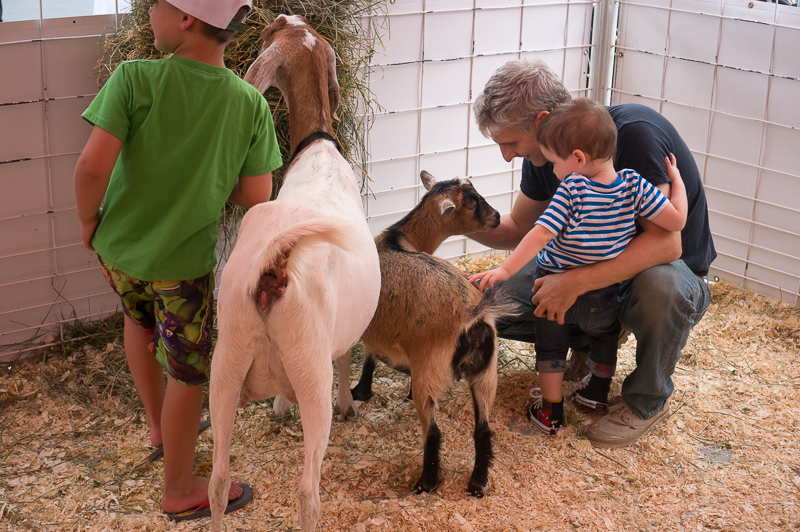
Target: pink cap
{"x": 218, "y": 13}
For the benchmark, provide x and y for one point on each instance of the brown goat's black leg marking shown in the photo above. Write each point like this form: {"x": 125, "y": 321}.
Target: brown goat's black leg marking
{"x": 473, "y": 360}
{"x": 272, "y": 284}
{"x": 429, "y": 480}
{"x": 484, "y": 455}
{"x": 363, "y": 390}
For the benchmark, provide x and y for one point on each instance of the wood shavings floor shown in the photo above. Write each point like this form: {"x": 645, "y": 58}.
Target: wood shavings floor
{"x": 727, "y": 459}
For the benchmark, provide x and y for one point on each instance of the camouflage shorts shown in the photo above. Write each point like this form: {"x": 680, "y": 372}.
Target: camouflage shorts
{"x": 180, "y": 314}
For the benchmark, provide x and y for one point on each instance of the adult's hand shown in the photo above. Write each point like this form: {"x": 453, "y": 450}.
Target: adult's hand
{"x": 554, "y": 295}
{"x": 513, "y": 226}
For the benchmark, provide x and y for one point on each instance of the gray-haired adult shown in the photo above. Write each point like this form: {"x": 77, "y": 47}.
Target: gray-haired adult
{"x": 664, "y": 293}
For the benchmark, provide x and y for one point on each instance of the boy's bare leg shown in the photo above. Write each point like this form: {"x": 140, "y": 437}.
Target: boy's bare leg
{"x": 148, "y": 376}
{"x": 550, "y": 384}
{"x": 173, "y": 417}
{"x": 180, "y": 420}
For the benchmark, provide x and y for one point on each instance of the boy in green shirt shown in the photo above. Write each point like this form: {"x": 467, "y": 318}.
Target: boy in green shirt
{"x": 173, "y": 140}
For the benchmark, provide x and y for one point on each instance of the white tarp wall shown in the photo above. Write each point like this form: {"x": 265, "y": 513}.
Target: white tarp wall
{"x": 438, "y": 56}
{"x": 46, "y": 277}
{"x": 729, "y": 85}
{"x": 727, "y": 75}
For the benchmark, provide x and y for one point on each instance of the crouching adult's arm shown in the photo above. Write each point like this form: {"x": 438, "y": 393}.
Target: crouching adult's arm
{"x": 514, "y": 226}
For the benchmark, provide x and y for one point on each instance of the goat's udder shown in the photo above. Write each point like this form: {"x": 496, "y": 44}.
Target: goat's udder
{"x": 243, "y": 399}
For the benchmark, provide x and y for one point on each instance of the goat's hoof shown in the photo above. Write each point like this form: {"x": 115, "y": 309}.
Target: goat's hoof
{"x": 425, "y": 487}
{"x": 352, "y": 413}
{"x": 476, "y": 491}
{"x": 358, "y": 395}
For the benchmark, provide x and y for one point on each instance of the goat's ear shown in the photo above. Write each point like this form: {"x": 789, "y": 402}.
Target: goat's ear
{"x": 277, "y": 24}
{"x": 333, "y": 82}
{"x": 447, "y": 206}
{"x": 262, "y": 71}
{"x": 427, "y": 179}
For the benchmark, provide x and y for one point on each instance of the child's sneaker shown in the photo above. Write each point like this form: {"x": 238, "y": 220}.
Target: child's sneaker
{"x": 546, "y": 416}
{"x": 592, "y": 392}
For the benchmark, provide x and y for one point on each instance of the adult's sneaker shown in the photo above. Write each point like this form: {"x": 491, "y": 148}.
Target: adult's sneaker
{"x": 621, "y": 426}
{"x": 592, "y": 392}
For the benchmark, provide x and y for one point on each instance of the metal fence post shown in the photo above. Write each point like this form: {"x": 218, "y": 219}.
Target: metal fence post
{"x": 602, "y": 59}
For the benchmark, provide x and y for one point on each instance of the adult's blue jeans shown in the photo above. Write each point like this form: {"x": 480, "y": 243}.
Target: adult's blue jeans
{"x": 595, "y": 314}
{"x": 659, "y": 306}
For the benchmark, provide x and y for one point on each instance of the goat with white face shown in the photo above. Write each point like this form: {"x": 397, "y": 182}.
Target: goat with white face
{"x": 432, "y": 323}
{"x": 287, "y": 304}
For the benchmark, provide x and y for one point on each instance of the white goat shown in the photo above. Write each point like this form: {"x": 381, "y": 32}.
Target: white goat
{"x": 303, "y": 279}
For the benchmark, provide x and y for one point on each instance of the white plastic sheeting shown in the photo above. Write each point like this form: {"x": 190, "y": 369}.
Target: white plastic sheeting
{"x": 438, "y": 55}
{"x": 727, "y": 74}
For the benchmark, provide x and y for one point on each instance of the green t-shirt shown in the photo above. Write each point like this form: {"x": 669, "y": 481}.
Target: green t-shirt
{"x": 189, "y": 129}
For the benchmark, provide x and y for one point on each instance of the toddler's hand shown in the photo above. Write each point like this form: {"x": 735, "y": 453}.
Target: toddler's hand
{"x": 672, "y": 168}
{"x": 488, "y": 278}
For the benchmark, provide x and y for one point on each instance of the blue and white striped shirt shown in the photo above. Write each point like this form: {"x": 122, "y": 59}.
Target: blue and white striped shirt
{"x": 593, "y": 222}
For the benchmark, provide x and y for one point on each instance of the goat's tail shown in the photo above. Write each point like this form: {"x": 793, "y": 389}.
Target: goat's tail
{"x": 496, "y": 303}
{"x": 269, "y": 275}
{"x": 475, "y": 355}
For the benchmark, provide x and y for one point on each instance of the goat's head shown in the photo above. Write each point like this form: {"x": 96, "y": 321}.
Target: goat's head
{"x": 463, "y": 210}
{"x": 290, "y": 41}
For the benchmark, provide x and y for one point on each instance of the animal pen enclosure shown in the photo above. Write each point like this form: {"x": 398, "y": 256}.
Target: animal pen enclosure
{"x": 724, "y": 72}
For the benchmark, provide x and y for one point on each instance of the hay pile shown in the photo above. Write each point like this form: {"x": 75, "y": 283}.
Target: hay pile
{"x": 727, "y": 459}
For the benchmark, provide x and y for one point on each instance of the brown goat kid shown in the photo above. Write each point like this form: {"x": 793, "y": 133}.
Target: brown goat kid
{"x": 432, "y": 323}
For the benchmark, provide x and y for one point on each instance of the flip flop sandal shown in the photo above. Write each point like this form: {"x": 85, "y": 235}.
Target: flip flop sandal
{"x": 204, "y": 511}
{"x": 159, "y": 451}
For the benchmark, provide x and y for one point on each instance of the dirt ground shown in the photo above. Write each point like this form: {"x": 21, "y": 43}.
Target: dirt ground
{"x": 728, "y": 457}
